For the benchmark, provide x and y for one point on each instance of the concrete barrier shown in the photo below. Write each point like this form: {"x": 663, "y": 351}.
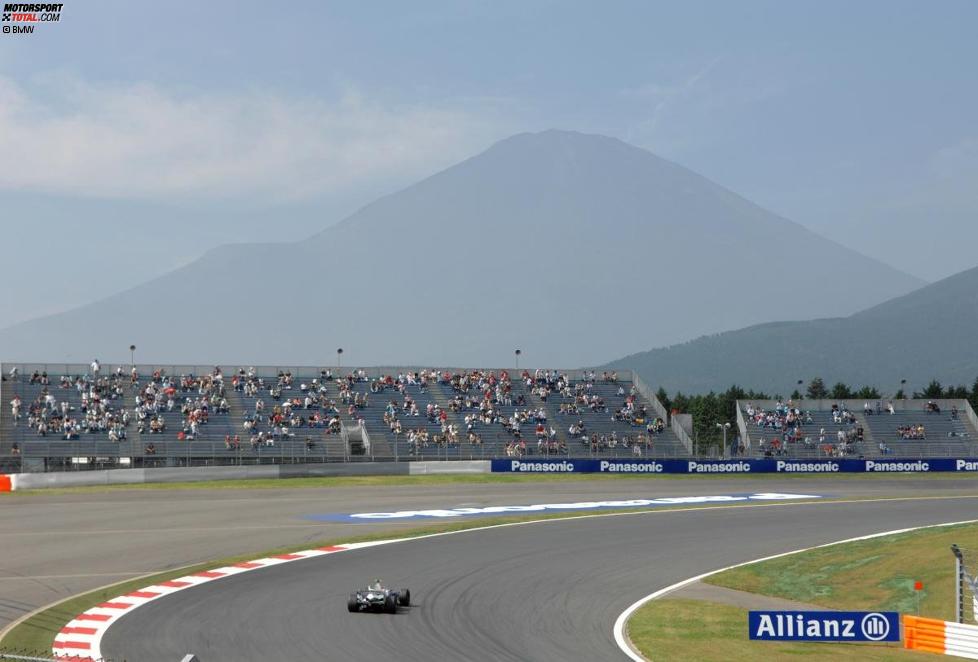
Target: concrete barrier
{"x": 345, "y": 469}
{"x": 450, "y": 467}
{"x": 32, "y": 481}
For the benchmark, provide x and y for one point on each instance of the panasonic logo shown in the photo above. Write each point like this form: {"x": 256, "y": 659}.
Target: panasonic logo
{"x": 718, "y": 467}
{"x": 631, "y": 467}
{"x": 561, "y": 467}
{"x": 873, "y": 465}
{"x": 965, "y": 465}
{"x": 788, "y": 467}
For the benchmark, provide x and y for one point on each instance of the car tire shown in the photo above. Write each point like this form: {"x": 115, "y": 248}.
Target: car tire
{"x": 404, "y": 598}
{"x": 351, "y": 604}
{"x": 390, "y": 605}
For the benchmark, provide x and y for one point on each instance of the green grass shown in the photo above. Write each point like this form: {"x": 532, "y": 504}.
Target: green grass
{"x": 429, "y": 479}
{"x": 871, "y": 575}
{"x": 876, "y": 574}
{"x": 681, "y": 630}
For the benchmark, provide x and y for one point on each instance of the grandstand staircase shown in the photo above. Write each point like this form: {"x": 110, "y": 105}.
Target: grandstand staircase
{"x": 335, "y": 447}
{"x": 380, "y": 446}
{"x": 236, "y": 410}
{"x": 869, "y": 440}
{"x": 440, "y": 397}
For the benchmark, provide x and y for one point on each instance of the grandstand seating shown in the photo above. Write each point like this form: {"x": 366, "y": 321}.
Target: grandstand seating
{"x": 945, "y": 436}
{"x": 317, "y": 443}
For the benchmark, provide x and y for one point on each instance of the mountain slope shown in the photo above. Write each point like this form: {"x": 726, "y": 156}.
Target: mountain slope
{"x": 572, "y": 247}
{"x": 927, "y": 334}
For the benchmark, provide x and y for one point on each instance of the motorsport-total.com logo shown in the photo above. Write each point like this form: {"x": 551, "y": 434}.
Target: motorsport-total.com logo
{"x": 25, "y": 16}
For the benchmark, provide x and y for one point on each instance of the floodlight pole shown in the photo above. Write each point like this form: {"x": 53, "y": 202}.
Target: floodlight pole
{"x": 724, "y": 427}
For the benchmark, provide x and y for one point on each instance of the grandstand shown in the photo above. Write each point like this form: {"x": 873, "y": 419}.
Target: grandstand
{"x": 76, "y": 416}
{"x": 825, "y": 428}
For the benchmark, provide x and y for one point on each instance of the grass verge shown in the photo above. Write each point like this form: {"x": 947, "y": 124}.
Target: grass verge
{"x": 433, "y": 479}
{"x": 676, "y": 630}
{"x": 875, "y": 574}
{"x": 872, "y": 575}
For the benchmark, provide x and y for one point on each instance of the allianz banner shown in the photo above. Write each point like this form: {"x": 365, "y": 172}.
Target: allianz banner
{"x": 754, "y": 466}
{"x": 826, "y": 626}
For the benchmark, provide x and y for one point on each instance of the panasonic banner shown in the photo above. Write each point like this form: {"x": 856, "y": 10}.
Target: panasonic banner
{"x": 744, "y": 466}
{"x": 824, "y": 626}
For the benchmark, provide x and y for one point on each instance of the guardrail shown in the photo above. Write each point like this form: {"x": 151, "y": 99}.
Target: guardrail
{"x": 942, "y": 637}
{"x": 673, "y": 421}
{"x": 678, "y": 423}
{"x": 646, "y": 392}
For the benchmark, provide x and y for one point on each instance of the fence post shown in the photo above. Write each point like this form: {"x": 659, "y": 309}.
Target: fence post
{"x": 958, "y": 581}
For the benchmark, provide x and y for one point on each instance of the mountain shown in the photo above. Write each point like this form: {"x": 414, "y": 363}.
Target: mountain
{"x": 574, "y": 248}
{"x": 927, "y": 334}
{"x": 156, "y": 242}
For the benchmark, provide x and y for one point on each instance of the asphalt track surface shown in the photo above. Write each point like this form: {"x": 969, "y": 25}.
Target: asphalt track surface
{"x": 545, "y": 591}
{"x": 53, "y": 546}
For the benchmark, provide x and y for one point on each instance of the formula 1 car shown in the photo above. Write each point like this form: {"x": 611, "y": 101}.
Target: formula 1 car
{"x": 377, "y": 597}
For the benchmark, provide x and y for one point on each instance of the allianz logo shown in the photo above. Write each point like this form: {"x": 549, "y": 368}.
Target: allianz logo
{"x": 873, "y": 626}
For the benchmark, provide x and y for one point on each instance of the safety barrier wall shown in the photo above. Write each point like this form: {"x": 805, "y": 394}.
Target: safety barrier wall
{"x": 941, "y": 637}
{"x": 703, "y": 466}
{"x": 524, "y": 465}
{"x": 28, "y": 481}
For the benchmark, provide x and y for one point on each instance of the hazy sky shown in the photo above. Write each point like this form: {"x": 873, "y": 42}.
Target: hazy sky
{"x": 134, "y": 136}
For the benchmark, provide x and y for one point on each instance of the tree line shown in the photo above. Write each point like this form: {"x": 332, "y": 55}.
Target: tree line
{"x": 712, "y": 408}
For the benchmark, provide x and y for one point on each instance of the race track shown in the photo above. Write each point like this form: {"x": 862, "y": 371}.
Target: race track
{"x": 547, "y": 591}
